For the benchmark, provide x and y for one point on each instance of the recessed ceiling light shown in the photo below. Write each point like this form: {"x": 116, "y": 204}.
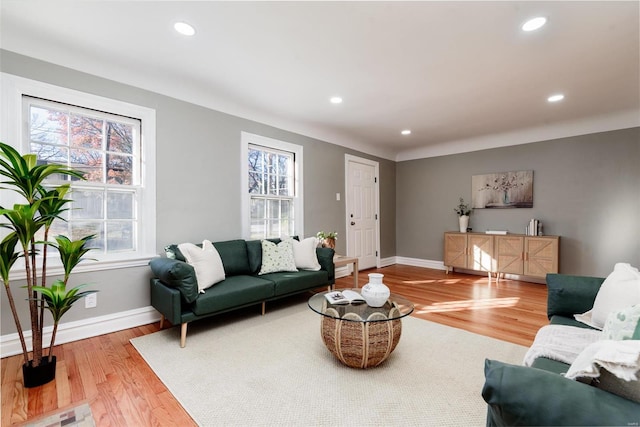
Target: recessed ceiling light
{"x": 534, "y": 24}
{"x": 184, "y": 28}
{"x": 336, "y": 100}
{"x": 406, "y": 132}
{"x": 555, "y": 98}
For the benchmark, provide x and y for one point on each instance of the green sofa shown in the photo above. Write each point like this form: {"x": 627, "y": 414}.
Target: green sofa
{"x": 539, "y": 395}
{"x": 174, "y": 288}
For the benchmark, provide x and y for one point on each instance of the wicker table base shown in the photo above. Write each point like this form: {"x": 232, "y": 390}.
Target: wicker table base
{"x": 360, "y": 344}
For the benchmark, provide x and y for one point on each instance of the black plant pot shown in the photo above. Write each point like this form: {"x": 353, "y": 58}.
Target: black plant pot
{"x": 39, "y": 375}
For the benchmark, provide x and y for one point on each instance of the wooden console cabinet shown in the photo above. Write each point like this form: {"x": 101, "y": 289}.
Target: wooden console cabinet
{"x": 473, "y": 251}
{"x": 533, "y": 256}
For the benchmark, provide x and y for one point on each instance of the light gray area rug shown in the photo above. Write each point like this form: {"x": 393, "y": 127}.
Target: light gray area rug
{"x": 246, "y": 369}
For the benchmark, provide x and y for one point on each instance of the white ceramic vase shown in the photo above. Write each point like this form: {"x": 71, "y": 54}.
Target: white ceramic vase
{"x": 375, "y": 292}
{"x": 464, "y": 223}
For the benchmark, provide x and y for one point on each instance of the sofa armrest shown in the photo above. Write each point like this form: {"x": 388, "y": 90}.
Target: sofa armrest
{"x": 167, "y": 301}
{"x": 325, "y": 258}
{"x": 568, "y": 295}
{"x": 176, "y": 274}
{"x": 519, "y": 395}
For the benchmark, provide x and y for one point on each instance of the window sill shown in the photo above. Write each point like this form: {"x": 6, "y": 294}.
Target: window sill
{"x": 88, "y": 266}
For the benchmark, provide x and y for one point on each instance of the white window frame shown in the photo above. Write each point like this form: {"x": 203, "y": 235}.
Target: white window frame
{"x": 12, "y": 132}
{"x": 247, "y": 139}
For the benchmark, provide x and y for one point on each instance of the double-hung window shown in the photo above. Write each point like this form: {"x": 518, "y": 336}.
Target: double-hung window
{"x": 112, "y": 143}
{"x": 106, "y": 149}
{"x": 272, "y": 199}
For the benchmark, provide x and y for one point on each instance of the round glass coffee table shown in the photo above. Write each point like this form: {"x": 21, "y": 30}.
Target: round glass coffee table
{"x": 358, "y": 335}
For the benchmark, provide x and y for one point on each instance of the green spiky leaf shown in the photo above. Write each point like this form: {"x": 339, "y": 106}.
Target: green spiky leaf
{"x": 58, "y": 299}
{"x": 8, "y": 256}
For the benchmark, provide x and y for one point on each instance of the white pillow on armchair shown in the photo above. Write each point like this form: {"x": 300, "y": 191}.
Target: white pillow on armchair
{"x": 619, "y": 290}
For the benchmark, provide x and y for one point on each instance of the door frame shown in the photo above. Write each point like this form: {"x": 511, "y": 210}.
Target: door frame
{"x": 348, "y": 158}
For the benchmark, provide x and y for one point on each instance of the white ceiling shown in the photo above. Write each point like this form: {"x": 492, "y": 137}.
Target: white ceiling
{"x": 461, "y": 75}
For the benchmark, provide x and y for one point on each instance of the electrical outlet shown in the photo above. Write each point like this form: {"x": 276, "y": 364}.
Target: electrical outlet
{"x": 91, "y": 301}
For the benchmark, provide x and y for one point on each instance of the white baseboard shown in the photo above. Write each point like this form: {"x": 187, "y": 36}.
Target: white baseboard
{"x": 386, "y": 262}
{"x": 346, "y": 270}
{"x": 417, "y": 262}
{"x": 87, "y": 328}
{"x": 82, "y": 329}
{"x": 343, "y": 271}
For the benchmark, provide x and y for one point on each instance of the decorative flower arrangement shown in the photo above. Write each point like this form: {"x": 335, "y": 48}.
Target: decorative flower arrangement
{"x": 328, "y": 239}
{"x": 330, "y": 235}
{"x": 462, "y": 208}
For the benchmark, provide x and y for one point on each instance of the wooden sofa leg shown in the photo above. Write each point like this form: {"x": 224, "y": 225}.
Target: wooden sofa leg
{"x": 183, "y": 335}
{"x": 161, "y": 321}
{"x": 264, "y": 307}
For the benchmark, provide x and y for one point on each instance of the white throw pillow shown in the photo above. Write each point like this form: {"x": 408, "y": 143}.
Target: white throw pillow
{"x": 304, "y": 253}
{"x": 277, "y": 257}
{"x": 619, "y": 290}
{"x": 206, "y": 262}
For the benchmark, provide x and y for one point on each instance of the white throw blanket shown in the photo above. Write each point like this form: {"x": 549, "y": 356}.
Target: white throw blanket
{"x": 621, "y": 358}
{"x": 561, "y": 343}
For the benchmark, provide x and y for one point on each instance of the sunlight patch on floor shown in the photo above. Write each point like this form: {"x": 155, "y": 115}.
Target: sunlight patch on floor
{"x": 430, "y": 281}
{"x": 474, "y": 304}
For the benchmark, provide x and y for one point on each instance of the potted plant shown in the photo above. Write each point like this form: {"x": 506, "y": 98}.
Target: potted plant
{"x": 463, "y": 212}
{"x": 26, "y": 223}
{"x": 328, "y": 239}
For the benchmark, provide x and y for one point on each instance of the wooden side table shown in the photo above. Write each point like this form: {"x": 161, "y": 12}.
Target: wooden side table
{"x": 340, "y": 261}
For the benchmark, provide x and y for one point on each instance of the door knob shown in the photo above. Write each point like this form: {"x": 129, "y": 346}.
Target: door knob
{"x": 353, "y": 223}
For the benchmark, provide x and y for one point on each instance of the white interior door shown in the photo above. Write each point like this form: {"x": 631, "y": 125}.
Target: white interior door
{"x": 362, "y": 211}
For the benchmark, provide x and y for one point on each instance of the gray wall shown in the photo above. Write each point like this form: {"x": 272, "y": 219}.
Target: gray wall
{"x": 586, "y": 190}
{"x": 198, "y": 181}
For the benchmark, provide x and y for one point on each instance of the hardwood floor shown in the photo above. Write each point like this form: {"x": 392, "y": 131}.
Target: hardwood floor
{"x": 108, "y": 373}
{"x": 509, "y": 310}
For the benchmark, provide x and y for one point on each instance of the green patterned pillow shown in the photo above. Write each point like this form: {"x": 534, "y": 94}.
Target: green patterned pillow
{"x": 277, "y": 257}
{"x": 623, "y": 324}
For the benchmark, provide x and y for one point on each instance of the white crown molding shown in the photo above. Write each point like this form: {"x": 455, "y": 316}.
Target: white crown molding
{"x": 615, "y": 121}
{"x": 164, "y": 84}
{"x": 190, "y": 92}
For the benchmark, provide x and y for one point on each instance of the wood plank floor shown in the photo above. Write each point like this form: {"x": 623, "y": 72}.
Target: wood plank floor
{"x": 108, "y": 373}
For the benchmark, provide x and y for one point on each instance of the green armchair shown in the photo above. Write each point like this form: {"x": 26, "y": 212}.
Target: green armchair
{"x": 539, "y": 395}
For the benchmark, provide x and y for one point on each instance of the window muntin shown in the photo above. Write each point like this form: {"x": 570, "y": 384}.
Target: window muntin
{"x": 107, "y": 149}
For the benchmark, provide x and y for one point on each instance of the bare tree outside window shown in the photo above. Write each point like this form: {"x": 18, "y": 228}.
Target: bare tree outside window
{"x": 271, "y": 189}
{"x": 106, "y": 148}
